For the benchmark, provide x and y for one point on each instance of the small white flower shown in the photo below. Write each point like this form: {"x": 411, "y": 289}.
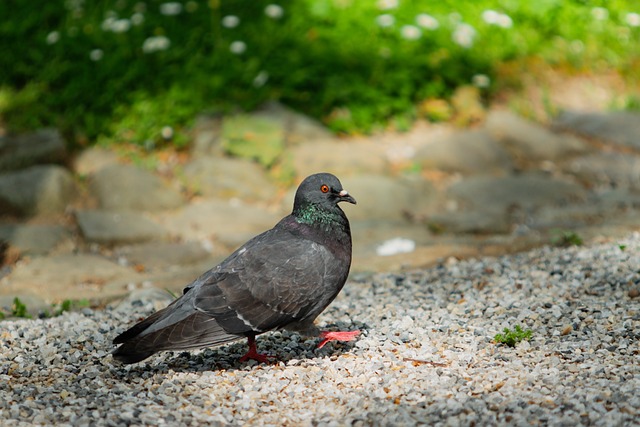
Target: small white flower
{"x": 385, "y": 20}
{"x": 120, "y": 25}
{"x": 633, "y": 19}
{"x": 274, "y": 11}
{"x": 166, "y": 132}
{"x": 53, "y": 37}
{"x": 600, "y": 13}
{"x": 481, "y": 80}
{"x": 155, "y": 44}
{"x": 463, "y": 35}
{"x": 410, "y": 32}
{"x": 427, "y": 21}
{"x": 230, "y": 21}
{"x": 261, "y": 79}
{"x": 96, "y": 55}
{"x": 387, "y": 4}
{"x": 395, "y": 246}
{"x": 238, "y": 47}
{"x": 137, "y": 18}
{"x": 490, "y": 16}
{"x": 171, "y": 8}
{"x": 504, "y": 21}
{"x": 107, "y": 23}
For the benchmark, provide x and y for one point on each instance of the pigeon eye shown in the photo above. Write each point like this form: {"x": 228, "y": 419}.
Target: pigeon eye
{"x": 324, "y": 188}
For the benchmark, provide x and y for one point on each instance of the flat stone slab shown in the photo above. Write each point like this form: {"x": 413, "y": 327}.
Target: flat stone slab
{"x": 529, "y": 141}
{"x": 619, "y": 127}
{"x": 609, "y": 169}
{"x": 231, "y": 224}
{"x": 474, "y": 222}
{"x": 108, "y": 227}
{"x": 40, "y": 147}
{"x": 38, "y": 190}
{"x": 126, "y": 187}
{"x": 229, "y": 177}
{"x": 526, "y": 191}
{"x": 383, "y": 197}
{"x": 164, "y": 255}
{"x": 93, "y": 159}
{"x": 340, "y": 158}
{"x": 467, "y": 152}
{"x": 68, "y": 276}
{"x": 33, "y": 239}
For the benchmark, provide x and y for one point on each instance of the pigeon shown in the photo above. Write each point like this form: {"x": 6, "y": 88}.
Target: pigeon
{"x": 280, "y": 279}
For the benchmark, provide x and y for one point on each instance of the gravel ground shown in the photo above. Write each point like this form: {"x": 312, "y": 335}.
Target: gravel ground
{"x": 426, "y": 355}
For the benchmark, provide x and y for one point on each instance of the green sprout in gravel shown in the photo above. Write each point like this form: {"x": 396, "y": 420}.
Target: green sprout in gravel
{"x": 564, "y": 238}
{"x": 511, "y": 338}
{"x": 19, "y": 309}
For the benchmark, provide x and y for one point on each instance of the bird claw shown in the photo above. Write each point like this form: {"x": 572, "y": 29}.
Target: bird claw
{"x": 260, "y": 358}
{"x": 252, "y": 353}
{"x": 337, "y": 336}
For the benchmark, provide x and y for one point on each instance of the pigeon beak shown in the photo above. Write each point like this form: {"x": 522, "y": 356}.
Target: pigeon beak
{"x": 346, "y": 197}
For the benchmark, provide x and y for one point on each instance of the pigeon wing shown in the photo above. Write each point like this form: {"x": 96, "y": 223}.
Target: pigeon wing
{"x": 275, "y": 279}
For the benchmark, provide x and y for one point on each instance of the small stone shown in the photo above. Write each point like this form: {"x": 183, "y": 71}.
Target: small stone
{"x": 566, "y": 330}
{"x": 633, "y": 293}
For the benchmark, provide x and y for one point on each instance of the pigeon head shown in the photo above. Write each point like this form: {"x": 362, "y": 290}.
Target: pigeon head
{"x": 319, "y": 194}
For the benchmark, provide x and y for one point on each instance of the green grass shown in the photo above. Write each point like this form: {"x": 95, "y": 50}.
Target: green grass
{"x": 564, "y": 238}
{"x": 90, "y": 68}
{"x": 512, "y": 337}
{"x": 19, "y": 309}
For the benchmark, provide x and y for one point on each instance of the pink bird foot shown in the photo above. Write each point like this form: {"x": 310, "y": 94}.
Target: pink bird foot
{"x": 337, "y": 336}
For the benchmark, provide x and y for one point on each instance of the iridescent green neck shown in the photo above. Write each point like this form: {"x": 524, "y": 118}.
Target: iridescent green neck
{"x": 314, "y": 215}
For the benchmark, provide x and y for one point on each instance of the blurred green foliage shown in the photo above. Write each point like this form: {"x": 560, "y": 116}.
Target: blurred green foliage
{"x": 122, "y": 70}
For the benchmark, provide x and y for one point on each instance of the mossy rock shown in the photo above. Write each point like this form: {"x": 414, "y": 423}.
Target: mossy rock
{"x": 253, "y": 137}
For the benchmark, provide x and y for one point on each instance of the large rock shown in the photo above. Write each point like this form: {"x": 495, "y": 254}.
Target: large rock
{"x": 477, "y": 221}
{"x": 530, "y": 142}
{"x": 467, "y": 152}
{"x": 298, "y": 128}
{"x": 118, "y": 227}
{"x": 253, "y": 137}
{"x": 380, "y": 197}
{"x": 38, "y": 190}
{"x": 69, "y": 276}
{"x": 36, "y": 239}
{"x": 164, "y": 255}
{"x": 526, "y": 191}
{"x": 21, "y": 151}
{"x": 206, "y": 136}
{"x": 610, "y": 169}
{"x": 126, "y": 187}
{"x": 93, "y": 159}
{"x": 340, "y": 158}
{"x": 227, "y": 178}
{"x": 619, "y": 127}
{"x": 231, "y": 224}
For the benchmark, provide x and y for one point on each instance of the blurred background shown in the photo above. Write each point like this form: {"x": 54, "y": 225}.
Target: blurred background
{"x": 142, "y": 140}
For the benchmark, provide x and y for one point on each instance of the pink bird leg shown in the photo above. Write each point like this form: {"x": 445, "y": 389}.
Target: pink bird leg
{"x": 337, "y": 336}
